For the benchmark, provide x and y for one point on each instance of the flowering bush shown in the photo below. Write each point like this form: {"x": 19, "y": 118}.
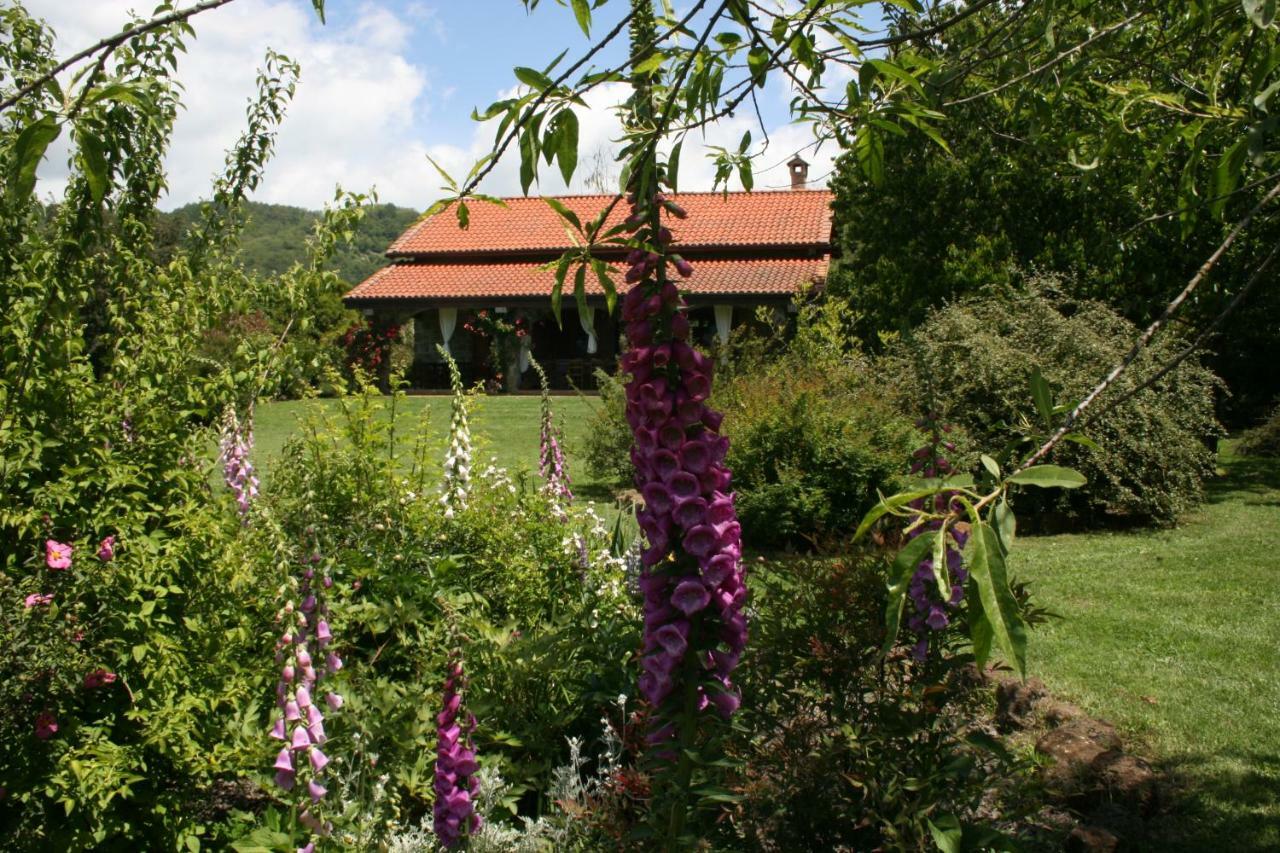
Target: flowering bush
{"x": 368, "y": 346}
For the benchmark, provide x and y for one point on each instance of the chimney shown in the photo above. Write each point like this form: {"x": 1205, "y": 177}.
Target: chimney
{"x": 799, "y": 172}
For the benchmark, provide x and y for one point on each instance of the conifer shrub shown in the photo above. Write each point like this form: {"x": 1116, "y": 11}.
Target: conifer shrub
{"x": 1145, "y": 457}
{"x": 1264, "y": 439}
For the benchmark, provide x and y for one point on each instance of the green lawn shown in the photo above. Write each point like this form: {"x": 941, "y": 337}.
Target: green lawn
{"x": 505, "y": 427}
{"x": 1174, "y": 635}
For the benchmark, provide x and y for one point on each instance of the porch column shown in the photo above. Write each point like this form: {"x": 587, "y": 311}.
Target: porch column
{"x": 724, "y": 322}
{"x": 587, "y": 319}
{"x": 448, "y": 319}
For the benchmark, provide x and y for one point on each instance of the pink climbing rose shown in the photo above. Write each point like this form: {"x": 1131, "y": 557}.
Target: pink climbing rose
{"x": 37, "y": 599}
{"x": 57, "y": 555}
{"x": 46, "y": 725}
{"x": 107, "y": 549}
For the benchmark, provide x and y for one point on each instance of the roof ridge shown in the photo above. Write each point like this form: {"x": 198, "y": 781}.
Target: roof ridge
{"x": 786, "y": 191}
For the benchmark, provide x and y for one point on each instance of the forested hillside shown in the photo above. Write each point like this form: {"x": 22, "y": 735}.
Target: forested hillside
{"x": 274, "y": 236}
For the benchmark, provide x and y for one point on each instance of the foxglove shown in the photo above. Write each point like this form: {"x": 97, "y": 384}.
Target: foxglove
{"x": 693, "y": 584}
{"x": 456, "y": 783}
{"x": 455, "y": 487}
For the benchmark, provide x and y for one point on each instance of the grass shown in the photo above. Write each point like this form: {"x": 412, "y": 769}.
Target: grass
{"x": 1174, "y": 635}
{"x": 505, "y": 427}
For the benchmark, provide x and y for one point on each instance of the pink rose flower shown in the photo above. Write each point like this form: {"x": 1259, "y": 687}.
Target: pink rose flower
{"x": 57, "y": 555}
{"x": 37, "y": 599}
{"x": 107, "y": 549}
{"x": 46, "y": 725}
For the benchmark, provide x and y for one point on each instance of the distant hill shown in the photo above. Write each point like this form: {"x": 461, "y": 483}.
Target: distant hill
{"x": 275, "y": 235}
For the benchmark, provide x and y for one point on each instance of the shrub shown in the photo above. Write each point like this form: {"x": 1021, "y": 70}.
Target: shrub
{"x": 843, "y": 749}
{"x": 1264, "y": 439}
{"x": 607, "y": 446}
{"x": 810, "y": 448}
{"x": 812, "y": 438}
{"x": 975, "y": 360}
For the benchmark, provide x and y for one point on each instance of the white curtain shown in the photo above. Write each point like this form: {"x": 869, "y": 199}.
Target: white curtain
{"x": 522, "y": 360}
{"x": 724, "y": 321}
{"x": 588, "y": 321}
{"x": 448, "y": 319}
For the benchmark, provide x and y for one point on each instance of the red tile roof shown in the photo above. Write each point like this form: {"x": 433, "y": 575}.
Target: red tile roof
{"x": 528, "y": 225}
{"x": 438, "y": 281}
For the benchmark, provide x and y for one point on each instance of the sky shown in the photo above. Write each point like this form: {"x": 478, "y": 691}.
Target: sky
{"x": 384, "y": 84}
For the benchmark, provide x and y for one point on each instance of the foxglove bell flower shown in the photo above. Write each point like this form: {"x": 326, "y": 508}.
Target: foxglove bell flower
{"x": 456, "y": 783}
{"x": 456, "y": 485}
{"x": 692, "y": 581}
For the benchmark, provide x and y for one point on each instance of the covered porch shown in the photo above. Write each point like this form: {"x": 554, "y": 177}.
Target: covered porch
{"x": 571, "y": 351}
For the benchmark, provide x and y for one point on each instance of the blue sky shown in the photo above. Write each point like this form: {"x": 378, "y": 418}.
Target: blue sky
{"x": 385, "y": 83}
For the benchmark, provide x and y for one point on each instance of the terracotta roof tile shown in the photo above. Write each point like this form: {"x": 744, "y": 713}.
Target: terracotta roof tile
{"x": 766, "y": 218}
{"x": 490, "y": 280}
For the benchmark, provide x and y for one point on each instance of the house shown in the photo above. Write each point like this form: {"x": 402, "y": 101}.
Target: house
{"x": 748, "y": 250}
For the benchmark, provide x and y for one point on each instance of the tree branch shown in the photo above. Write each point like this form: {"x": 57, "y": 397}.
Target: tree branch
{"x": 109, "y": 44}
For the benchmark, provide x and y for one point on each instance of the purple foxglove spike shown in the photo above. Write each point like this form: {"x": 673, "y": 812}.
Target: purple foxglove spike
{"x": 301, "y": 740}
{"x": 287, "y": 673}
{"x": 315, "y": 731}
{"x": 303, "y": 657}
{"x": 310, "y": 848}
{"x": 278, "y": 730}
{"x": 333, "y": 663}
{"x": 291, "y": 711}
{"x": 313, "y": 715}
{"x": 283, "y": 761}
{"x": 302, "y": 696}
{"x": 333, "y": 700}
{"x": 316, "y": 791}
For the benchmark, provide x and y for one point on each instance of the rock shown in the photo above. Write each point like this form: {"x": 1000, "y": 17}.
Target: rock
{"x": 1055, "y": 713}
{"x": 1074, "y": 747}
{"x": 1091, "y": 839}
{"x": 1128, "y": 780}
{"x": 1016, "y": 701}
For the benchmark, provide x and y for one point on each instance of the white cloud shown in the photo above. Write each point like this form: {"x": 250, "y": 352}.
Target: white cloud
{"x": 361, "y": 115}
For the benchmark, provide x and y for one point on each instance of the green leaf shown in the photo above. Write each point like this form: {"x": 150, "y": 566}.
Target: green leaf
{"x": 318, "y": 5}
{"x": 946, "y": 832}
{"x": 1006, "y": 524}
{"x": 528, "y": 160}
{"x": 1049, "y": 477}
{"x": 891, "y": 503}
{"x": 93, "y": 162}
{"x": 565, "y": 213}
{"x": 28, "y": 151}
{"x": 746, "y": 175}
{"x": 673, "y": 164}
{"x": 464, "y": 215}
{"x": 582, "y": 11}
{"x": 979, "y": 633}
{"x": 987, "y": 568}
{"x": 580, "y": 292}
{"x": 601, "y": 270}
{"x": 649, "y": 64}
{"x": 557, "y": 290}
{"x": 991, "y": 465}
{"x": 567, "y": 143}
{"x": 758, "y": 64}
{"x": 533, "y": 78}
{"x": 904, "y": 566}
{"x": 1042, "y": 395}
{"x": 1082, "y": 440}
